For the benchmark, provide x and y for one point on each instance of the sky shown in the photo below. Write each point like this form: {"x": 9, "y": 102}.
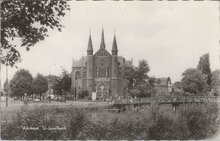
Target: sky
{"x": 171, "y": 36}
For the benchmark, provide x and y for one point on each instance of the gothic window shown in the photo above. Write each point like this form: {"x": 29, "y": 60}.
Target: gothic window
{"x": 108, "y": 72}
{"x": 96, "y": 70}
{"x": 124, "y": 92}
{"x": 77, "y": 75}
{"x": 98, "y": 92}
{"x": 102, "y": 69}
{"x": 99, "y": 72}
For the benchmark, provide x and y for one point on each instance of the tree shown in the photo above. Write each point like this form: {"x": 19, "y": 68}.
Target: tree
{"x": 65, "y": 81}
{"x": 57, "y": 89}
{"x": 7, "y": 88}
{"x": 140, "y": 84}
{"x": 140, "y": 73}
{"x": 216, "y": 82}
{"x": 28, "y": 21}
{"x": 129, "y": 75}
{"x": 21, "y": 83}
{"x": 194, "y": 82}
{"x": 62, "y": 84}
{"x": 143, "y": 90}
{"x": 204, "y": 66}
{"x": 52, "y": 79}
{"x": 40, "y": 85}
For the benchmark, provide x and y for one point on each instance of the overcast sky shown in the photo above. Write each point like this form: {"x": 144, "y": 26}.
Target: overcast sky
{"x": 171, "y": 36}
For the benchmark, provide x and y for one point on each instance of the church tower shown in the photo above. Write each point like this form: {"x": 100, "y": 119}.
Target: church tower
{"x": 102, "y": 45}
{"x": 89, "y": 66}
{"x": 115, "y": 69}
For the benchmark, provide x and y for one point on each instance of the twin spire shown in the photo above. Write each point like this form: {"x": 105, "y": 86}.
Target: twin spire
{"x": 90, "y": 47}
{"x": 102, "y": 45}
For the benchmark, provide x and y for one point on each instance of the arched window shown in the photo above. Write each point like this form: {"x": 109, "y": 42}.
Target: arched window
{"x": 96, "y": 70}
{"x": 124, "y": 92}
{"x": 102, "y": 69}
{"x": 77, "y": 75}
{"x": 108, "y": 72}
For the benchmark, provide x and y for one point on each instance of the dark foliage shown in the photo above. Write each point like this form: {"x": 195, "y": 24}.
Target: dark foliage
{"x": 40, "y": 84}
{"x": 62, "y": 84}
{"x": 139, "y": 83}
{"x": 21, "y": 83}
{"x": 29, "y": 21}
{"x": 204, "y": 66}
{"x": 82, "y": 94}
{"x": 189, "y": 121}
{"x": 216, "y": 82}
{"x": 195, "y": 82}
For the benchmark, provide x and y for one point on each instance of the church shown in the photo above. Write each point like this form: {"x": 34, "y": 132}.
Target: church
{"x": 102, "y": 73}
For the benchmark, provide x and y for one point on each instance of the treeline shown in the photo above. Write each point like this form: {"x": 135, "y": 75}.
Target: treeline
{"x": 23, "y": 83}
{"x": 199, "y": 81}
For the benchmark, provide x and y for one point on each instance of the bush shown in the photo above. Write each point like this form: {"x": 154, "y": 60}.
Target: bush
{"x": 202, "y": 120}
{"x": 32, "y": 124}
{"x": 82, "y": 94}
{"x": 156, "y": 122}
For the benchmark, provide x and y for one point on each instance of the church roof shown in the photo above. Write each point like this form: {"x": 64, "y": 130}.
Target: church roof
{"x": 80, "y": 63}
{"x": 102, "y": 52}
{"x": 124, "y": 63}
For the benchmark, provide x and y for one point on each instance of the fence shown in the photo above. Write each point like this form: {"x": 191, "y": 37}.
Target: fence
{"x": 161, "y": 99}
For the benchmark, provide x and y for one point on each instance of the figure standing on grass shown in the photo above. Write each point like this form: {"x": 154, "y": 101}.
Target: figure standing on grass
{"x": 49, "y": 98}
{"x": 25, "y": 99}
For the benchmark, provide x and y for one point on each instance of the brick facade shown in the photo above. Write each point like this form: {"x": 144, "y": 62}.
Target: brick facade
{"x": 100, "y": 72}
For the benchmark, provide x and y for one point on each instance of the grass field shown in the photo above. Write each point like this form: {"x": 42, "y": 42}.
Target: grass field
{"x": 16, "y": 104}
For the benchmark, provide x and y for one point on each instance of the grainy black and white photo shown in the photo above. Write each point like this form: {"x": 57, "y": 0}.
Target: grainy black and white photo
{"x": 110, "y": 70}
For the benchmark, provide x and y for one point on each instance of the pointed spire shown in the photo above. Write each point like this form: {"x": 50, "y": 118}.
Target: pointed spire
{"x": 102, "y": 40}
{"x": 90, "y": 47}
{"x": 114, "y": 45}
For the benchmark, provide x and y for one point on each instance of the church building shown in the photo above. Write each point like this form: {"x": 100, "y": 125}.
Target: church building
{"x": 101, "y": 72}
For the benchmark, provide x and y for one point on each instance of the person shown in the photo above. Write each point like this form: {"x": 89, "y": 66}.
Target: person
{"x": 49, "y": 98}
{"x": 25, "y": 99}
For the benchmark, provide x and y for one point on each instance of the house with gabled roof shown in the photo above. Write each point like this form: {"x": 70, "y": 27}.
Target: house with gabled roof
{"x": 163, "y": 86}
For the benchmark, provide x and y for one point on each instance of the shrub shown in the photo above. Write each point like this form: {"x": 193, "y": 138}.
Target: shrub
{"x": 83, "y": 94}
{"x": 201, "y": 119}
{"x": 32, "y": 124}
{"x": 76, "y": 121}
{"x": 155, "y": 122}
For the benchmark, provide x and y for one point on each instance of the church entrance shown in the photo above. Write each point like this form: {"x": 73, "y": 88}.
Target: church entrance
{"x": 102, "y": 92}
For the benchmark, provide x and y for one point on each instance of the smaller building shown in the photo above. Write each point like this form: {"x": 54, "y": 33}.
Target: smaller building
{"x": 178, "y": 86}
{"x": 163, "y": 86}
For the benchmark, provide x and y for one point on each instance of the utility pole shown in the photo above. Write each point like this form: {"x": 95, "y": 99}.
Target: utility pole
{"x": 7, "y": 82}
{"x": 0, "y": 71}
